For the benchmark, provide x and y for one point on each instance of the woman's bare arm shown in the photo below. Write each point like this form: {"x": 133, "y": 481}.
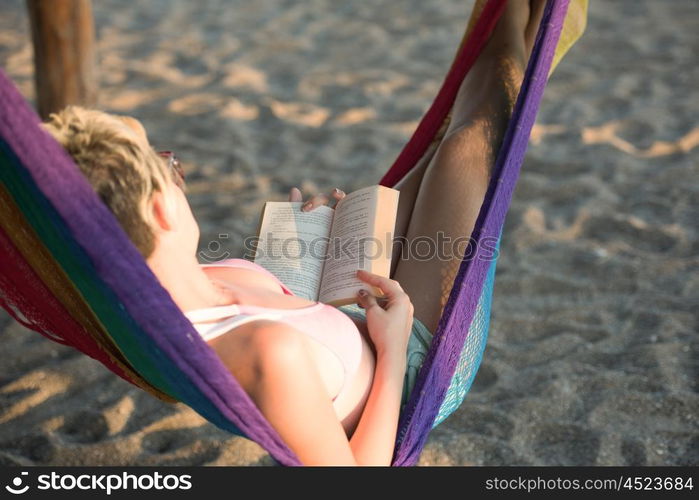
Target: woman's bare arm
{"x": 272, "y": 362}
{"x": 375, "y": 437}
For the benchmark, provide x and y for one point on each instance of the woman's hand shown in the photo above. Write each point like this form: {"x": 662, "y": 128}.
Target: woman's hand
{"x": 389, "y": 324}
{"x": 317, "y": 200}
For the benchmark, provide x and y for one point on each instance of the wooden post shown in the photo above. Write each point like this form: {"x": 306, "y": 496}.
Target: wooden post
{"x": 64, "y": 55}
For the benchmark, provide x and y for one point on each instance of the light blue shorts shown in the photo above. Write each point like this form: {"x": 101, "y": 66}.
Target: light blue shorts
{"x": 418, "y": 345}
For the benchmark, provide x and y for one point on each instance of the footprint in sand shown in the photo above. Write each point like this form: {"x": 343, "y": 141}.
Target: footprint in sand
{"x": 178, "y": 447}
{"x": 85, "y": 427}
{"x": 565, "y": 444}
{"x": 36, "y": 447}
{"x": 633, "y": 452}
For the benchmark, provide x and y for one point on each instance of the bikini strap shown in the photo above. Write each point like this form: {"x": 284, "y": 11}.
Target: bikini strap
{"x": 212, "y": 313}
{"x": 209, "y": 331}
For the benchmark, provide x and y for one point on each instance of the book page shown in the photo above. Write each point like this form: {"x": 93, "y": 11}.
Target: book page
{"x": 354, "y": 244}
{"x": 292, "y": 245}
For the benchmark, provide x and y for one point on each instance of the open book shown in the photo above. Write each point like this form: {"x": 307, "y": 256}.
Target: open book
{"x": 316, "y": 254}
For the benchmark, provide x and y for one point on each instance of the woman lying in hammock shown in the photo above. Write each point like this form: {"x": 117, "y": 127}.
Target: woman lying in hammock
{"x": 331, "y": 386}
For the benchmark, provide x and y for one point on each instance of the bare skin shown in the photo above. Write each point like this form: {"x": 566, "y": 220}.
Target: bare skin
{"x": 446, "y": 191}
{"x": 443, "y": 194}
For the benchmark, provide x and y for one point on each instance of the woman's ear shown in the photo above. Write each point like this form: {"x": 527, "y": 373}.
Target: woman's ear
{"x": 163, "y": 211}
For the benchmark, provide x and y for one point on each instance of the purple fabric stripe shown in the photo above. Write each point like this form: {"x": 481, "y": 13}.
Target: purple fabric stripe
{"x": 120, "y": 266}
{"x": 438, "y": 369}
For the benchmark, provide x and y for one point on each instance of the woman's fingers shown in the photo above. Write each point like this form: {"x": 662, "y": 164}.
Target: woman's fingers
{"x": 390, "y": 287}
{"x": 315, "y": 201}
{"x": 366, "y": 299}
{"x": 322, "y": 199}
{"x": 295, "y": 194}
{"x": 338, "y": 194}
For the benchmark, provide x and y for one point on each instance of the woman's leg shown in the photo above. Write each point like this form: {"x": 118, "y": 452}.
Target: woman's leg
{"x": 409, "y": 186}
{"x": 452, "y": 189}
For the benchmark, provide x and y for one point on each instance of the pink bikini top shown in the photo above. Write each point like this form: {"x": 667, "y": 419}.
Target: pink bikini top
{"x": 321, "y": 322}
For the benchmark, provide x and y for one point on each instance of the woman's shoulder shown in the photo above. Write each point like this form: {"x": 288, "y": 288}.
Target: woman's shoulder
{"x": 259, "y": 347}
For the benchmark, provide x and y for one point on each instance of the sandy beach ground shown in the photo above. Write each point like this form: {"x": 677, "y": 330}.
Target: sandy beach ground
{"x": 593, "y": 356}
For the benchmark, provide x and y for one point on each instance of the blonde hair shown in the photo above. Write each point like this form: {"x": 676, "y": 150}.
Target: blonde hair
{"x": 120, "y": 165}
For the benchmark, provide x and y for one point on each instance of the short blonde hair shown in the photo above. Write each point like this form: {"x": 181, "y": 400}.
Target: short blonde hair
{"x": 120, "y": 165}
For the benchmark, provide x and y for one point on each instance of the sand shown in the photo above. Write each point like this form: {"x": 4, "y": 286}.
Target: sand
{"x": 593, "y": 356}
